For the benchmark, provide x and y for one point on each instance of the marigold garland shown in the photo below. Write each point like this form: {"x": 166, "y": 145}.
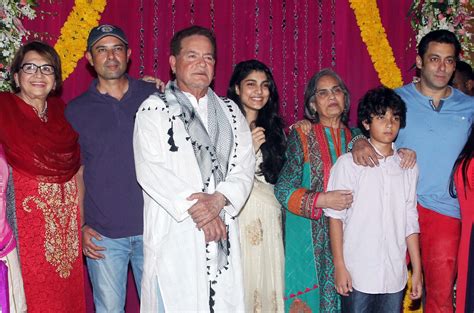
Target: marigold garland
{"x": 72, "y": 42}
{"x": 374, "y": 36}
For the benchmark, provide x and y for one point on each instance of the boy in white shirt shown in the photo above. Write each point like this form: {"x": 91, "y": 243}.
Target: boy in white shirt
{"x": 369, "y": 239}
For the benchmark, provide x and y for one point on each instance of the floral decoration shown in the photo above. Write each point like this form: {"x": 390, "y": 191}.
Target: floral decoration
{"x": 453, "y": 15}
{"x": 374, "y": 36}
{"x": 12, "y": 33}
{"x": 72, "y": 42}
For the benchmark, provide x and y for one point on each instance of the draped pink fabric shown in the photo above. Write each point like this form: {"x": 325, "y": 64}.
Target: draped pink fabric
{"x": 295, "y": 38}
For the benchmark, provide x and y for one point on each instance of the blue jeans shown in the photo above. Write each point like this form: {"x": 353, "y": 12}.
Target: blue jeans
{"x": 359, "y": 302}
{"x": 109, "y": 275}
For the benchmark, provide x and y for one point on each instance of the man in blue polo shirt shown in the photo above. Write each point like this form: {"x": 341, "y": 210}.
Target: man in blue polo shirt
{"x": 439, "y": 118}
{"x": 103, "y": 117}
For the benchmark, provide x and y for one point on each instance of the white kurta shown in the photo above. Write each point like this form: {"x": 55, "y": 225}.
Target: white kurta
{"x": 174, "y": 249}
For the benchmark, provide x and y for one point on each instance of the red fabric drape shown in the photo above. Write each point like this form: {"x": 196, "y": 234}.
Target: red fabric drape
{"x": 282, "y": 33}
{"x": 294, "y": 37}
{"x": 47, "y": 152}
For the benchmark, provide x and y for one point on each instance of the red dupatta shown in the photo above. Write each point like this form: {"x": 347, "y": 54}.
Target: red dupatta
{"x": 46, "y": 151}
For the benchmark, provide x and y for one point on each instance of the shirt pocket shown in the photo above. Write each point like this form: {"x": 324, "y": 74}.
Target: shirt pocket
{"x": 454, "y": 128}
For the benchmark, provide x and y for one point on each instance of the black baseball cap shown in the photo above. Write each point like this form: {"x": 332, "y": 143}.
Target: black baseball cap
{"x": 101, "y": 31}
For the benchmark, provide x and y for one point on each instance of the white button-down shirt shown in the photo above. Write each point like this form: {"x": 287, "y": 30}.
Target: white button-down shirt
{"x": 200, "y": 106}
{"x": 383, "y": 214}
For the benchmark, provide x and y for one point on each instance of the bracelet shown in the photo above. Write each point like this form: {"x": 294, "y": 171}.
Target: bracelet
{"x": 351, "y": 143}
{"x": 314, "y": 208}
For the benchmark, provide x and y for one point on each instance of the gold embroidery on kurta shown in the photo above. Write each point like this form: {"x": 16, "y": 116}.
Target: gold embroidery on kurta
{"x": 254, "y": 232}
{"x": 257, "y": 302}
{"x": 274, "y": 301}
{"x": 58, "y": 202}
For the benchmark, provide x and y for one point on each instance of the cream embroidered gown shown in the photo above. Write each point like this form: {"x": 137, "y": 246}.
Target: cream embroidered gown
{"x": 262, "y": 248}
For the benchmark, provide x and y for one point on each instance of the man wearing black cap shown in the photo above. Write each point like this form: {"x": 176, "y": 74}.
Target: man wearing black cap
{"x": 103, "y": 117}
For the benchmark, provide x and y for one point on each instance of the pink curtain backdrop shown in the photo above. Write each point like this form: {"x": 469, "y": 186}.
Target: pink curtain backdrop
{"x": 296, "y": 38}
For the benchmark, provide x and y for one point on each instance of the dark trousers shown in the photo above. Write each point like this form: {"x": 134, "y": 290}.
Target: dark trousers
{"x": 359, "y": 302}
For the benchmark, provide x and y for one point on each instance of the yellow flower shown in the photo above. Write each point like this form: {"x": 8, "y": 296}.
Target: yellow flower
{"x": 374, "y": 36}
{"x": 72, "y": 44}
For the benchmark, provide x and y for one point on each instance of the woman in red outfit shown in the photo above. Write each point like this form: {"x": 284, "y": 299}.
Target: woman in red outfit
{"x": 463, "y": 174}
{"x": 42, "y": 150}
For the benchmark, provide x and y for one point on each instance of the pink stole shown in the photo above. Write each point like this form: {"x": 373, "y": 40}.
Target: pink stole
{"x": 7, "y": 241}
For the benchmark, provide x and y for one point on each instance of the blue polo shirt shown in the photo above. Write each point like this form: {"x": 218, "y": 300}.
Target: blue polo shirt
{"x": 113, "y": 201}
{"x": 437, "y": 136}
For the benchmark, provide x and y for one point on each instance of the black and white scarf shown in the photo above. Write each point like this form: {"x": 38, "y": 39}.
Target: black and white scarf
{"x": 212, "y": 147}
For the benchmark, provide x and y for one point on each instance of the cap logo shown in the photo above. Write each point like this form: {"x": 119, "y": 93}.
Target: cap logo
{"x": 106, "y": 28}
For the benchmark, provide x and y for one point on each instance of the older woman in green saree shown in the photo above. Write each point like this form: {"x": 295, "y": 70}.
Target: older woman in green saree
{"x": 309, "y": 281}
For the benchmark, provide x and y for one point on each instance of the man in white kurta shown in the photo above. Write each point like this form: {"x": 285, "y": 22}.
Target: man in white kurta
{"x": 191, "y": 244}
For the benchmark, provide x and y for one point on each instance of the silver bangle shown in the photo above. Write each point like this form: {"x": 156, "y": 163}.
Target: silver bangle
{"x": 351, "y": 143}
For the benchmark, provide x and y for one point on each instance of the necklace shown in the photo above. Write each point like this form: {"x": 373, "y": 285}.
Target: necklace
{"x": 43, "y": 115}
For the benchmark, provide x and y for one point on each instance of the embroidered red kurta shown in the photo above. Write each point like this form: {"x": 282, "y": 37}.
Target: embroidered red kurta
{"x": 44, "y": 155}
{"x": 48, "y": 234}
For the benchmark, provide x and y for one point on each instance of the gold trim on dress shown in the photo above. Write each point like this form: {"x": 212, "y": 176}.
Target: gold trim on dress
{"x": 58, "y": 202}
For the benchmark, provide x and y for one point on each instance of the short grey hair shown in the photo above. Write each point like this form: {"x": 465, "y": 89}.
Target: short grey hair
{"x": 310, "y": 95}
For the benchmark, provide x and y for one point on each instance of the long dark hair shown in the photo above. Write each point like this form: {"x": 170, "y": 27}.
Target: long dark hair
{"x": 464, "y": 158}
{"x": 273, "y": 150}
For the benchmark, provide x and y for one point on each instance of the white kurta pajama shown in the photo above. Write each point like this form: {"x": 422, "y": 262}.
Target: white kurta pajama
{"x": 174, "y": 249}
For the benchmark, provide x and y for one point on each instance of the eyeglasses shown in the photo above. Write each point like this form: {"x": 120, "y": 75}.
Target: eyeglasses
{"x": 31, "y": 68}
{"x": 324, "y": 93}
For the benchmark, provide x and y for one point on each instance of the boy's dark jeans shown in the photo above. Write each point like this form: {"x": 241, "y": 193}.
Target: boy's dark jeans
{"x": 359, "y": 302}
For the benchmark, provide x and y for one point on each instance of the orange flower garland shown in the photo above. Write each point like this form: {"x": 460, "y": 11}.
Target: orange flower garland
{"x": 374, "y": 36}
{"x": 72, "y": 42}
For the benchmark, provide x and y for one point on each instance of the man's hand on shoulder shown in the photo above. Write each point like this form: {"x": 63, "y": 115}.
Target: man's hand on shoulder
{"x": 408, "y": 158}
{"x": 364, "y": 154}
{"x": 305, "y": 126}
{"x": 160, "y": 85}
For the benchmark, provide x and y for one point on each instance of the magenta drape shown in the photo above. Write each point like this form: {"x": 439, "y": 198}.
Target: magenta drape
{"x": 295, "y": 38}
